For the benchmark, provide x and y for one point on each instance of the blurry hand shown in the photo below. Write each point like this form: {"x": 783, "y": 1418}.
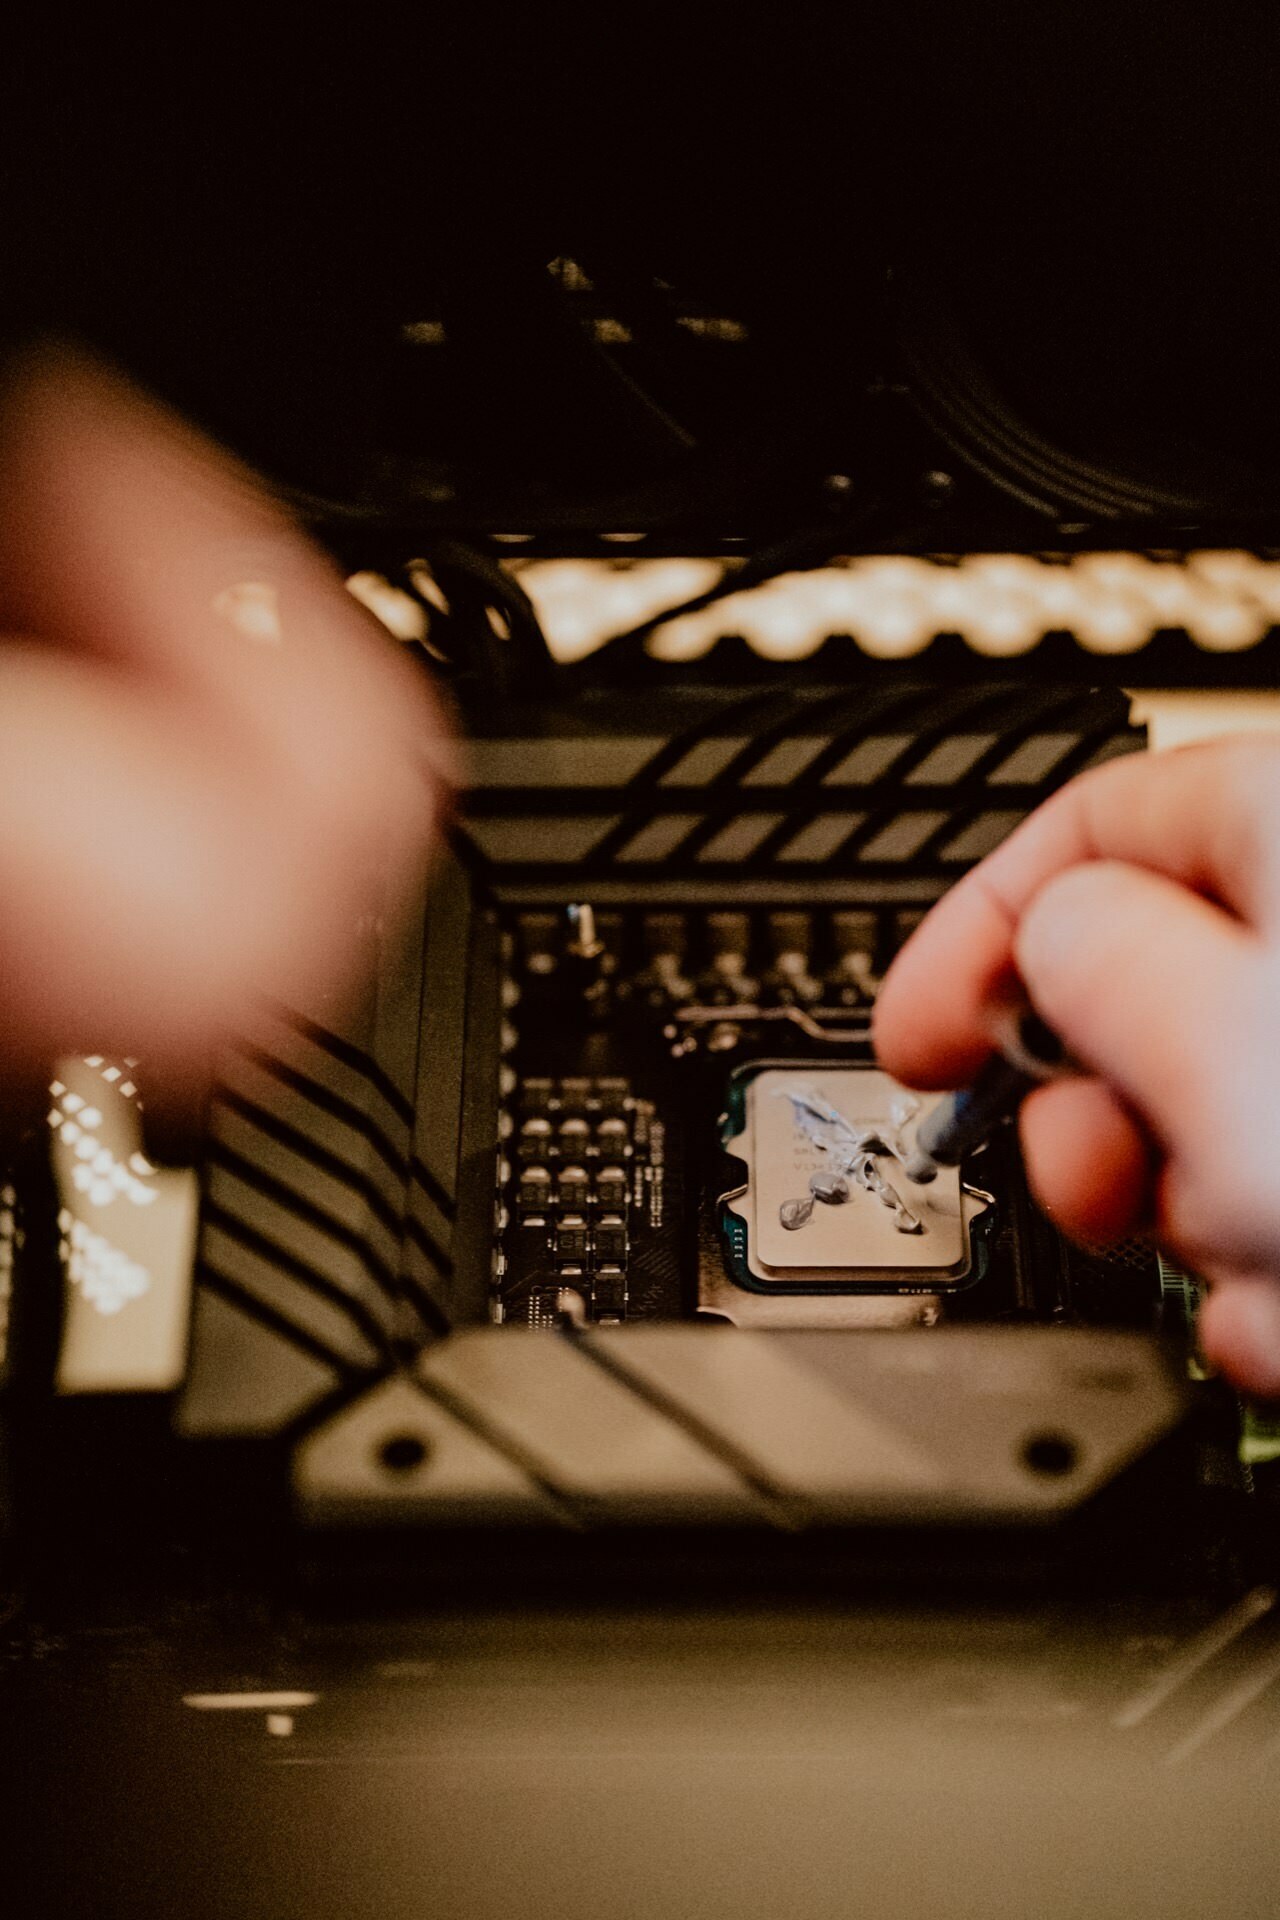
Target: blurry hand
{"x": 1140, "y": 907}
{"x": 203, "y": 783}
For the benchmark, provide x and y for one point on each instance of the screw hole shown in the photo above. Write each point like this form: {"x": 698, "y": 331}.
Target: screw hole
{"x": 1050, "y": 1453}
{"x": 403, "y": 1452}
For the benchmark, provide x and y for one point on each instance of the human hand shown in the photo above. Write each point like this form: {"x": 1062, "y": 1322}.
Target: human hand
{"x": 199, "y": 794}
{"x": 1140, "y": 910}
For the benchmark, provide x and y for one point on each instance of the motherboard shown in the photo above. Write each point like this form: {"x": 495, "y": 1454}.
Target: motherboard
{"x": 592, "y": 1227}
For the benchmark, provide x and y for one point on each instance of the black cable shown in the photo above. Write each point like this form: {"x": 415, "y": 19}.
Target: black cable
{"x": 473, "y": 583}
{"x": 797, "y": 552}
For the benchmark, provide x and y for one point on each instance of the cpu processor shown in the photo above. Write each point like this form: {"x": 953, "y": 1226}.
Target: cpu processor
{"x": 825, "y": 1204}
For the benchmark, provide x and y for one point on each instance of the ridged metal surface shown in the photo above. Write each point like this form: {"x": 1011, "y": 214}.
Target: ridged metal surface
{"x": 329, "y": 1186}
{"x": 908, "y": 783}
{"x": 671, "y": 1424}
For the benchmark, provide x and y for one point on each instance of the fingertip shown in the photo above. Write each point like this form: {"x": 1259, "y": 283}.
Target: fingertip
{"x": 1088, "y": 1160}
{"x": 1239, "y": 1329}
{"x": 1112, "y": 957}
{"x": 930, "y": 1025}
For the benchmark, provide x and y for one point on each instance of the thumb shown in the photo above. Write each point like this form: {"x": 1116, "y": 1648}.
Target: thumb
{"x": 1148, "y": 985}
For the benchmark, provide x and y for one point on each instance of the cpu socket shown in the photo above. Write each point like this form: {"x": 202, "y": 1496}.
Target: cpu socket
{"x": 826, "y": 1206}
